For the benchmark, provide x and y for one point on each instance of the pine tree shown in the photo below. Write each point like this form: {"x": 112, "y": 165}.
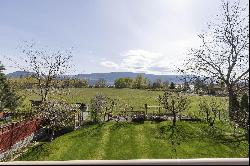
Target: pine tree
{"x": 8, "y": 98}
{"x": 172, "y": 86}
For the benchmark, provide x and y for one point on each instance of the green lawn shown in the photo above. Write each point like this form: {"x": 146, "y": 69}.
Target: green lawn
{"x": 122, "y": 141}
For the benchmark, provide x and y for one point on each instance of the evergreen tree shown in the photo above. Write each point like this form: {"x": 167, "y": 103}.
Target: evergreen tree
{"x": 172, "y": 86}
{"x": 244, "y": 103}
{"x": 8, "y": 98}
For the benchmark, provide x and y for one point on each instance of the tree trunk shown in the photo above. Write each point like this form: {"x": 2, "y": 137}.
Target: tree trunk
{"x": 231, "y": 96}
{"x": 207, "y": 116}
{"x": 174, "y": 120}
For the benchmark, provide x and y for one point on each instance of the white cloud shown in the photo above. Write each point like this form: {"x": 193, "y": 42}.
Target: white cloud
{"x": 165, "y": 59}
{"x": 139, "y": 61}
{"x": 109, "y": 64}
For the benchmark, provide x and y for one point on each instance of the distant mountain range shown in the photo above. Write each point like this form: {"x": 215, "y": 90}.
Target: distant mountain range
{"x": 109, "y": 77}
{"x": 18, "y": 74}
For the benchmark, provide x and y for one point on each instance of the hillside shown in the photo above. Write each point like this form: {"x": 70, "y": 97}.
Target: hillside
{"x": 109, "y": 77}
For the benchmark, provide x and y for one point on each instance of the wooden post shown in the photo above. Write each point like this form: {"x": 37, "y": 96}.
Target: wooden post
{"x": 219, "y": 114}
{"x": 76, "y": 121}
{"x": 146, "y": 108}
{"x": 104, "y": 116}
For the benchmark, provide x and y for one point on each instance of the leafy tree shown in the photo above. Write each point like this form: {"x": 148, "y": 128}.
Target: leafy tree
{"x": 165, "y": 84}
{"x": 74, "y": 83}
{"x": 223, "y": 54}
{"x": 97, "y": 105}
{"x": 8, "y": 98}
{"x": 80, "y": 83}
{"x": 123, "y": 82}
{"x": 244, "y": 103}
{"x": 244, "y": 114}
{"x": 185, "y": 79}
{"x": 211, "y": 89}
{"x": 57, "y": 115}
{"x": 186, "y": 87}
{"x": 140, "y": 82}
{"x": 100, "y": 83}
{"x": 211, "y": 110}
{"x": 173, "y": 102}
{"x": 26, "y": 82}
{"x": 199, "y": 86}
{"x": 158, "y": 84}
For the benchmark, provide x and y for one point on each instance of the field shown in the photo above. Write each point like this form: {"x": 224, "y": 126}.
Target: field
{"x": 126, "y": 140}
{"x": 133, "y": 97}
{"x": 122, "y": 141}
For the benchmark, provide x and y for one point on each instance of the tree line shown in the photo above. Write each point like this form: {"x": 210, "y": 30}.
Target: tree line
{"x": 31, "y": 83}
{"x": 140, "y": 82}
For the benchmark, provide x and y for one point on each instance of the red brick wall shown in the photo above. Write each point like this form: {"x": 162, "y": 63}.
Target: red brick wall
{"x": 15, "y": 132}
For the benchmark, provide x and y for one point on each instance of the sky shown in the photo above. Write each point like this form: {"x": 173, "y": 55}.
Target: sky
{"x": 149, "y": 36}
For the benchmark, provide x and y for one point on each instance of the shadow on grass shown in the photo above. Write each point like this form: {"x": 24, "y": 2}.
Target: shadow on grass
{"x": 184, "y": 132}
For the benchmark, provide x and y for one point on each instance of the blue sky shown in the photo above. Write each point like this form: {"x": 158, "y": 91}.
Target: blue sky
{"x": 150, "y": 36}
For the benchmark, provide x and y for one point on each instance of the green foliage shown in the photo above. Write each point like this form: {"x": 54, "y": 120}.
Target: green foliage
{"x": 8, "y": 98}
{"x": 165, "y": 85}
{"x": 199, "y": 86}
{"x": 244, "y": 103}
{"x": 243, "y": 114}
{"x": 74, "y": 83}
{"x": 211, "y": 89}
{"x": 123, "y": 82}
{"x": 101, "y": 83}
{"x": 31, "y": 83}
{"x": 24, "y": 82}
{"x": 172, "y": 85}
{"x": 140, "y": 82}
{"x": 213, "y": 109}
{"x": 158, "y": 84}
{"x": 174, "y": 103}
{"x": 97, "y": 106}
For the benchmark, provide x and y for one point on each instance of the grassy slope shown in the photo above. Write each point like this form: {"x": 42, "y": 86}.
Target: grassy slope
{"x": 138, "y": 141}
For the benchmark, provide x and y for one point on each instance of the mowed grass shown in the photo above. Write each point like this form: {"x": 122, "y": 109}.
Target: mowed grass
{"x": 134, "y": 97}
{"x": 124, "y": 141}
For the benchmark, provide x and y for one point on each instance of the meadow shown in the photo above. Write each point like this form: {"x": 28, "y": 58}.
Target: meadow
{"x": 133, "y": 97}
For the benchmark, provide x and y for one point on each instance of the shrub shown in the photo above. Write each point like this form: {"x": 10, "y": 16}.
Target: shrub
{"x": 97, "y": 106}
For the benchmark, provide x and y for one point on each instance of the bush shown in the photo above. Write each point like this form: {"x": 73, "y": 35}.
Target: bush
{"x": 97, "y": 105}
